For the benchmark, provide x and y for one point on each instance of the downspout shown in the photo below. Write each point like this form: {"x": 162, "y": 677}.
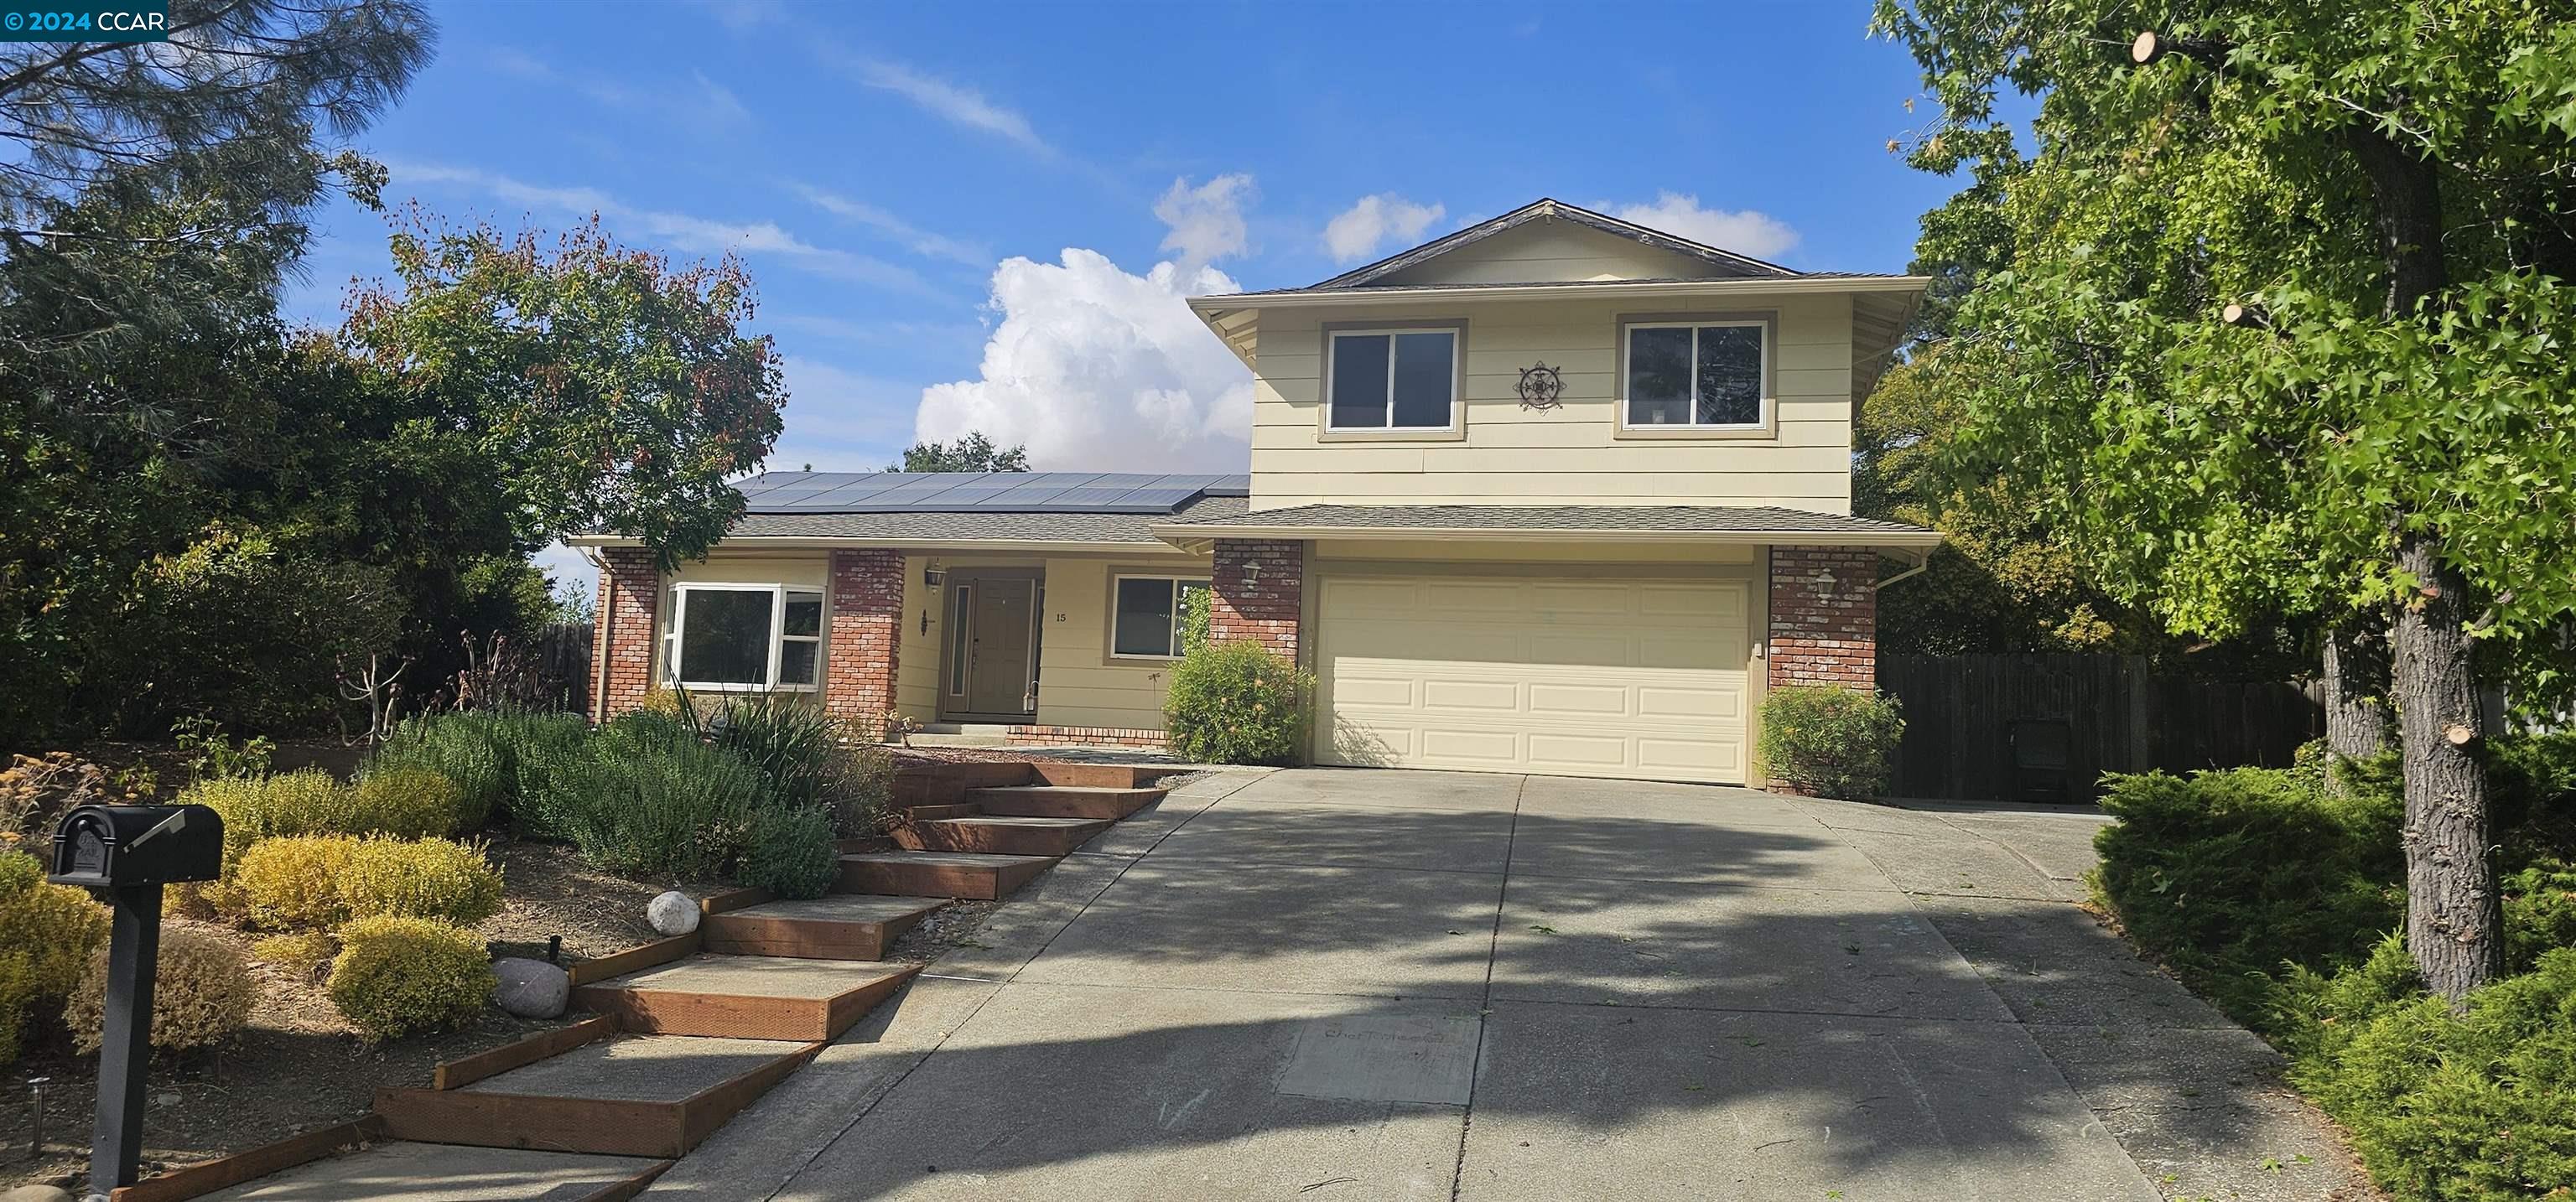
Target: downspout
{"x": 1916, "y": 570}
{"x": 605, "y": 644}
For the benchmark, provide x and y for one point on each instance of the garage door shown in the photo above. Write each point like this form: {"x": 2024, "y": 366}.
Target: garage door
{"x": 1574, "y": 677}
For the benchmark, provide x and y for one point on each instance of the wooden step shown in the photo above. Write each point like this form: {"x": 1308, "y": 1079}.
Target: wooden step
{"x": 929, "y": 813}
{"x": 1064, "y": 801}
{"x": 746, "y": 997}
{"x": 1095, "y": 776}
{"x": 377, "y": 1170}
{"x": 978, "y": 876}
{"x": 1011, "y": 836}
{"x": 637, "y": 1095}
{"x": 843, "y": 926}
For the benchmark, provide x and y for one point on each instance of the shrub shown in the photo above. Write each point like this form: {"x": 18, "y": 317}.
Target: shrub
{"x": 302, "y": 953}
{"x": 432, "y": 878}
{"x": 2539, "y": 912}
{"x": 406, "y": 803}
{"x": 36, "y": 791}
{"x": 290, "y": 883}
{"x": 863, "y": 799}
{"x": 201, "y": 992}
{"x": 1237, "y": 702}
{"x": 789, "y": 851}
{"x": 797, "y": 747}
{"x": 1831, "y": 742}
{"x": 307, "y": 802}
{"x": 650, "y": 799}
{"x": 47, "y": 933}
{"x": 2475, "y": 1108}
{"x": 496, "y": 757}
{"x": 396, "y": 976}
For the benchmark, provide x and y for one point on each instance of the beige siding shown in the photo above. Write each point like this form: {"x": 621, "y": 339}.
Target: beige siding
{"x": 1511, "y": 454}
{"x": 1078, "y": 684}
{"x": 1550, "y": 251}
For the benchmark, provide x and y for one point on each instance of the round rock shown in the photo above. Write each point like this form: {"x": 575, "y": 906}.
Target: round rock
{"x": 673, "y": 913}
{"x": 37, "y": 1193}
{"x": 531, "y": 988}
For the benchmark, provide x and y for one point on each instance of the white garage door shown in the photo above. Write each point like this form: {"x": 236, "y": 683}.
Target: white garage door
{"x": 1572, "y": 677}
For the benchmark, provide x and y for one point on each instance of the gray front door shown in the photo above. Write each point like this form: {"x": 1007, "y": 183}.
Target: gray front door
{"x": 992, "y": 640}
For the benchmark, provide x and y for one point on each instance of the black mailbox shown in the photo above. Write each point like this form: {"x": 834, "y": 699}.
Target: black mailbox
{"x": 106, "y": 847}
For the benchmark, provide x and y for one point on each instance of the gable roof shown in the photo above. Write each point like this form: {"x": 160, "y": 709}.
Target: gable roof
{"x": 810, "y": 493}
{"x": 1547, "y": 208}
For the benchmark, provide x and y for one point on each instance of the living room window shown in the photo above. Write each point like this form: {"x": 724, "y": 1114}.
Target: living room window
{"x": 1147, "y": 621}
{"x": 1710, "y": 374}
{"x": 1391, "y": 380}
{"x": 739, "y": 638}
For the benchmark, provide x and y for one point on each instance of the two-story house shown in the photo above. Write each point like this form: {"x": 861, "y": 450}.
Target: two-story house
{"x": 1556, "y": 493}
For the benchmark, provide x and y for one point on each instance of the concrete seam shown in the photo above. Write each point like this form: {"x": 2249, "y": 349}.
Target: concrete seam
{"x": 1485, "y": 1001}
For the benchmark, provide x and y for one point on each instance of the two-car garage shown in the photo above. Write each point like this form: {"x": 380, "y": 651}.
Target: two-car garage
{"x": 1619, "y": 675}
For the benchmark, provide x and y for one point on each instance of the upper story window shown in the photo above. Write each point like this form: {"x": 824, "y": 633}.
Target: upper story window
{"x": 1708, "y": 374}
{"x": 743, "y": 637}
{"x": 1392, "y": 380}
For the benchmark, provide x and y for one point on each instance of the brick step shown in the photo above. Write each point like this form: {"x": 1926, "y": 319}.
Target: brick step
{"x": 927, "y": 813}
{"x": 977, "y": 876}
{"x": 636, "y": 1095}
{"x": 843, "y": 926}
{"x": 746, "y": 997}
{"x": 1011, "y": 836}
{"x": 1064, "y": 801}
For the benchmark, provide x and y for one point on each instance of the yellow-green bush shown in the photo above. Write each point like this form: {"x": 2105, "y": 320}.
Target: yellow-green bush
{"x": 396, "y": 976}
{"x": 432, "y": 878}
{"x": 319, "y": 881}
{"x": 406, "y": 803}
{"x": 47, "y": 933}
{"x": 201, "y": 992}
{"x": 291, "y": 882}
{"x": 302, "y": 953}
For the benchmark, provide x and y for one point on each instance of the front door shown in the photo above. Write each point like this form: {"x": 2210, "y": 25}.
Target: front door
{"x": 992, "y": 645}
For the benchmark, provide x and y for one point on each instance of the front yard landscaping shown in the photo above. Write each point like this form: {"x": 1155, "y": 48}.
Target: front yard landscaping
{"x": 348, "y": 943}
{"x": 2276, "y": 894}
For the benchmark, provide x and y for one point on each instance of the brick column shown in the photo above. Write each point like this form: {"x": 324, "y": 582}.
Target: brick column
{"x": 1258, "y": 592}
{"x": 859, "y": 641}
{"x": 624, "y": 631}
{"x": 1824, "y": 617}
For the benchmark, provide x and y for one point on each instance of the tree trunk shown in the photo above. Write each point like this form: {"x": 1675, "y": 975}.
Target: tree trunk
{"x": 2454, "y": 920}
{"x": 2356, "y": 680}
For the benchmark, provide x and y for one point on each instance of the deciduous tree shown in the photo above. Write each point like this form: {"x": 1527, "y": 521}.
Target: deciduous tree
{"x": 2284, "y": 330}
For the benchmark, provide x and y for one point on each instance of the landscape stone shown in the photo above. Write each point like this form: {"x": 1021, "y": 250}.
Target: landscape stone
{"x": 673, "y": 913}
{"x": 531, "y": 988}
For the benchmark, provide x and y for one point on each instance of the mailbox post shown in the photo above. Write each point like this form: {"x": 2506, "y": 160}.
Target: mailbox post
{"x": 126, "y": 854}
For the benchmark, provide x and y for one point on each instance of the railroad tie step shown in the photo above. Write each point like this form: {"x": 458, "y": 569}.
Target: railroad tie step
{"x": 841, "y": 926}
{"x": 977, "y": 876}
{"x": 746, "y": 997}
{"x": 1063, "y": 801}
{"x": 1016, "y": 836}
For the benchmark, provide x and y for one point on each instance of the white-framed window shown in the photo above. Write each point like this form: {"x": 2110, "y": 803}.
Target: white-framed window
{"x": 1147, "y": 609}
{"x": 744, "y": 638}
{"x": 1391, "y": 379}
{"x": 1711, "y": 374}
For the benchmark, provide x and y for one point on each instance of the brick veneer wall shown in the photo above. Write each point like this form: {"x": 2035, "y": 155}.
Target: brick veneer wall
{"x": 1824, "y": 617}
{"x": 1259, "y": 589}
{"x": 630, "y": 601}
{"x": 859, "y": 641}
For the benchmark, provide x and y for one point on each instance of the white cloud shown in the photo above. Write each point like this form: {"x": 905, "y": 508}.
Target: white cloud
{"x": 701, "y": 104}
{"x": 1745, "y": 231}
{"x": 1375, "y": 220}
{"x": 953, "y": 102}
{"x": 920, "y": 241}
{"x": 1207, "y": 221}
{"x": 1098, "y": 369}
{"x": 679, "y": 231}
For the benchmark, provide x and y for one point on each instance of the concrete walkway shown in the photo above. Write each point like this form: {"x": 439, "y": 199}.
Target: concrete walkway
{"x": 1347, "y": 984}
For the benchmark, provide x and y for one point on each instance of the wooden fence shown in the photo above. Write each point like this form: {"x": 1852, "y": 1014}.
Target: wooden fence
{"x": 2119, "y": 715}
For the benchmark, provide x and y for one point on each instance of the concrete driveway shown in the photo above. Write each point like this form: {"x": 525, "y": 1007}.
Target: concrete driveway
{"x": 1351, "y": 984}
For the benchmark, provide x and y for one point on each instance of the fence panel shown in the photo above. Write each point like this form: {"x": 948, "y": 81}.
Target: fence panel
{"x": 2120, "y": 716}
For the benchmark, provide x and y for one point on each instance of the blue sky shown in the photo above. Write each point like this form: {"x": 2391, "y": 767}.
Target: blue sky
{"x": 984, "y": 216}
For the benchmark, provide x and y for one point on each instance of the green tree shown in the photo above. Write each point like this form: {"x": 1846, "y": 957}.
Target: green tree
{"x": 972, "y": 453}
{"x": 2283, "y": 330}
{"x": 586, "y": 386}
